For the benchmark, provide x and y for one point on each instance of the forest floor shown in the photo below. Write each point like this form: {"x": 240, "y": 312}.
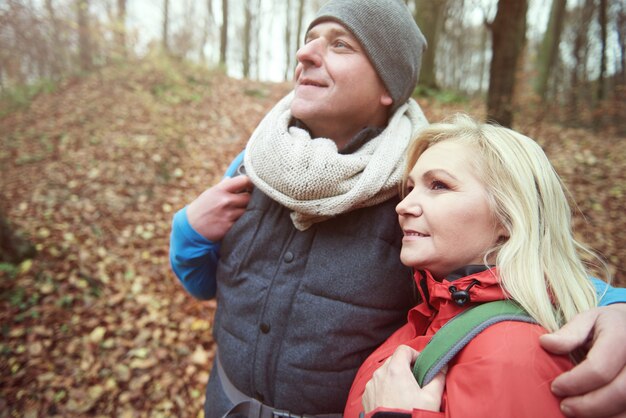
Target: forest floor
{"x": 97, "y": 324}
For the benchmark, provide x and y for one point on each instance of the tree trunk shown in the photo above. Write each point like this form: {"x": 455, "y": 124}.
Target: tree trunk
{"x": 429, "y": 17}
{"x": 549, "y": 48}
{"x": 84, "y": 41}
{"x": 205, "y": 30}
{"x": 582, "y": 21}
{"x": 483, "y": 60}
{"x": 298, "y": 38}
{"x": 621, "y": 39}
{"x": 58, "y": 56}
{"x": 601, "y": 86}
{"x": 288, "y": 53}
{"x": 224, "y": 33}
{"x": 13, "y": 247}
{"x": 247, "y": 38}
{"x": 257, "y": 39}
{"x": 603, "y": 41}
{"x": 120, "y": 30}
{"x": 166, "y": 26}
{"x": 508, "y": 32}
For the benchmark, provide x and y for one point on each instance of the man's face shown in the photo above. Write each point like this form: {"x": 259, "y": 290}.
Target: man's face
{"x": 337, "y": 89}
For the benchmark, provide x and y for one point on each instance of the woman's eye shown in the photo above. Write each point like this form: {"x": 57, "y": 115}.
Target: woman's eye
{"x": 438, "y": 185}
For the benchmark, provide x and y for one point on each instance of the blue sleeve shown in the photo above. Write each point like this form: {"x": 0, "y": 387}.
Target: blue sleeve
{"x": 194, "y": 258}
{"x": 231, "y": 171}
{"x": 607, "y": 294}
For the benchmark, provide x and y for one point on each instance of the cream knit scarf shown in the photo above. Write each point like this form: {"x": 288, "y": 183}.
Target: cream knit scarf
{"x": 312, "y": 179}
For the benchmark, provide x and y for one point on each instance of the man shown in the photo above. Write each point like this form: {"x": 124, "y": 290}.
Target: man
{"x": 308, "y": 267}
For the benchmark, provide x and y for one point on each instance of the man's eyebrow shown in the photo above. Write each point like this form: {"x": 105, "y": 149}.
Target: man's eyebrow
{"x": 333, "y": 33}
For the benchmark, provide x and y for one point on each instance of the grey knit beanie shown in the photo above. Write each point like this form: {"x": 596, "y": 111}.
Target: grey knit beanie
{"x": 388, "y": 33}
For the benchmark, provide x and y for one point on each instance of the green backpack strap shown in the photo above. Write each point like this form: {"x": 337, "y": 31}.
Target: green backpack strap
{"x": 460, "y": 330}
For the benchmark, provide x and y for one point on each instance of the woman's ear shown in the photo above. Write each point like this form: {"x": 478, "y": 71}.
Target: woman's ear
{"x": 503, "y": 234}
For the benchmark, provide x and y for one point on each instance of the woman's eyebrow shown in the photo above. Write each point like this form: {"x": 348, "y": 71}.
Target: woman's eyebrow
{"x": 438, "y": 172}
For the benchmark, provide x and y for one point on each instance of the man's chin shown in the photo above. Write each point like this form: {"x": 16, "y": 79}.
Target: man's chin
{"x": 300, "y": 108}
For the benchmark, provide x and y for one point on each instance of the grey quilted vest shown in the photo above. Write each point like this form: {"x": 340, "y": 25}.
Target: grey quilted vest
{"x": 298, "y": 312}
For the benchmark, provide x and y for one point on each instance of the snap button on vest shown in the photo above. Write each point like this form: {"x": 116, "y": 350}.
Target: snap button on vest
{"x": 288, "y": 257}
{"x": 265, "y": 328}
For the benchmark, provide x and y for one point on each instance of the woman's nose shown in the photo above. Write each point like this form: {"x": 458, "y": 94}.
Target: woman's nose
{"x": 409, "y": 206}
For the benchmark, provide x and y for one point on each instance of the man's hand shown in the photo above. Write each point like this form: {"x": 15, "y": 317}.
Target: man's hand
{"x": 394, "y": 386}
{"x": 217, "y": 208}
{"x": 597, "y": 386}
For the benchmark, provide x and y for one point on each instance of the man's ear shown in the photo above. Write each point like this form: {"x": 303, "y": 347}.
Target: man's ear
{"x": 386, "y": 99}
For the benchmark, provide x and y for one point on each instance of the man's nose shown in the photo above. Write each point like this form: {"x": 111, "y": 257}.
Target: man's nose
{"x": 310, "y": 53}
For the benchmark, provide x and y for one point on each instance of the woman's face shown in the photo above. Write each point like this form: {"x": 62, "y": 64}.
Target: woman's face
{"x": 446, "y": 216}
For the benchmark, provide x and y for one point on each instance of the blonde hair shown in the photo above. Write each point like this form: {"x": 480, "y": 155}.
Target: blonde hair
{"x": 539, "y": 264}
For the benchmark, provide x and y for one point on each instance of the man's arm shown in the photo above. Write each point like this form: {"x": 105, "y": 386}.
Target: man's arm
{"x": 193, "y": 258}
{"x": 198, "y": 229}
{"x": 597, "y": 386}
{"x": 607, "y": 294}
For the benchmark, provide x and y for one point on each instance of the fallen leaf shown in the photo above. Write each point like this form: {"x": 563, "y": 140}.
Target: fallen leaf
{"x": 97, "y": 334}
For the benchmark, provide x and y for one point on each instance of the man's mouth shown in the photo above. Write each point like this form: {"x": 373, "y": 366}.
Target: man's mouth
{"x": 309, "y": 82}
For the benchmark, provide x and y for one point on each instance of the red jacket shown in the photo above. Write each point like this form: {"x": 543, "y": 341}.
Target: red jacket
{"x": 502, "y": 372}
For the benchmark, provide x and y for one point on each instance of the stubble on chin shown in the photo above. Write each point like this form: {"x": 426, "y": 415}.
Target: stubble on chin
{"x": 298, "y": 107}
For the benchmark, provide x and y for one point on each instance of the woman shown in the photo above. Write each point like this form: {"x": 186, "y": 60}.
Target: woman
{"x": 484, "y": 211}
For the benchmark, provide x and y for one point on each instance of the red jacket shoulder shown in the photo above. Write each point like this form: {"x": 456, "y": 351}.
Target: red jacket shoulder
{"x": 504, "y": 372}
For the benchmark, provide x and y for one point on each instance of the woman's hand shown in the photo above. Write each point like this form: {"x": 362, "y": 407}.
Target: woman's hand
{"x": 394, "y": 386}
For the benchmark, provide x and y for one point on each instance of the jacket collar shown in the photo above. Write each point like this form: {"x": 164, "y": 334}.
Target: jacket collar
{"x": 437, "y": 296}
{"x": 468, "y": 270}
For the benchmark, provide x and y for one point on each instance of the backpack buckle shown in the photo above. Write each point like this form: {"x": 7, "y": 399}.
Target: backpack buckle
{"x": 281, "y": 413}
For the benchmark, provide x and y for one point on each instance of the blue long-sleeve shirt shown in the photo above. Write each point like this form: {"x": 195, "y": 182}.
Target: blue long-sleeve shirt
{"x": 194, "y": 258}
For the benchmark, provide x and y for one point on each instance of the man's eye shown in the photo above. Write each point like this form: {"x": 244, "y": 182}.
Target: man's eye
{"x": 341, "y": 44}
